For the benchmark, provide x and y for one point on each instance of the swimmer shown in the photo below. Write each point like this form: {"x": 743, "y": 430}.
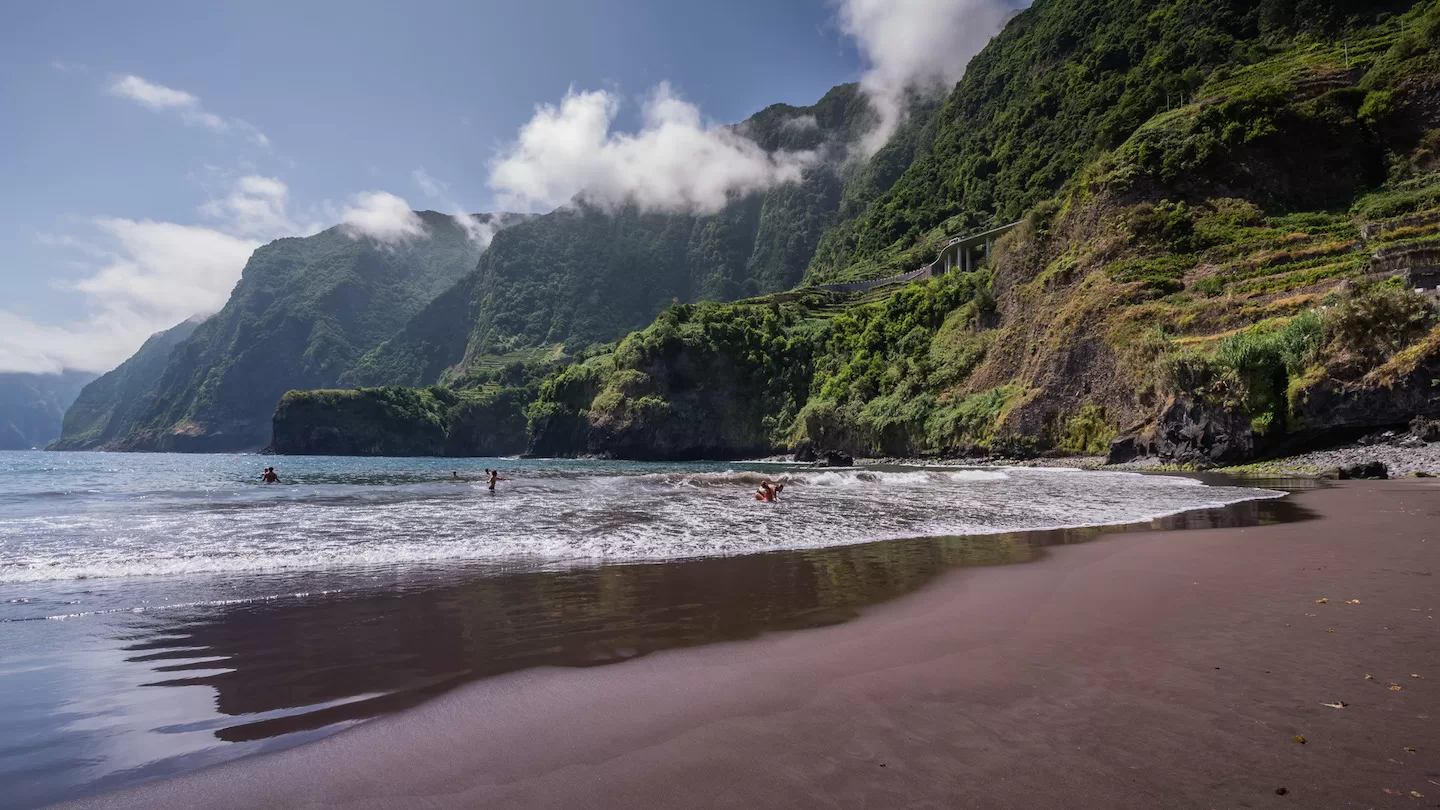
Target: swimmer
{"x": 494, "y": 475}
{"x": 769, "y": 492}
{"x": 269, "y": 476}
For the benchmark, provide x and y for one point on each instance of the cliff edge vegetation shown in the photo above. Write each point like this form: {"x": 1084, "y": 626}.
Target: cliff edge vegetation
{"x": 396, "y": 421}
{"x": 1208, "y": 288}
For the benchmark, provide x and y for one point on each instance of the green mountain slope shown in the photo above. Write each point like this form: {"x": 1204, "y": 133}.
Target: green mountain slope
{"x": 304, "y": 311}
{"x": 108, "y": 407}
{"x": 1064, "y": 82}
{"x": 585, "y": 274}
{"x": 1221, "y": 278}
{"x": 32, "y": 406}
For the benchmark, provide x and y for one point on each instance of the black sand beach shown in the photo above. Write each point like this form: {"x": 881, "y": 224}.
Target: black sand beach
{"x": 1146, "y": 669}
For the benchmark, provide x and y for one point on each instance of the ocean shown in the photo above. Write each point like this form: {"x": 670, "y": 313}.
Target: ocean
{"x": 160, "y": 613}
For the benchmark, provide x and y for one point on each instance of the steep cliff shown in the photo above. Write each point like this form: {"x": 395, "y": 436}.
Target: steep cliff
{"x": 1201, "y": 286}
{"x": 589, "y": 273}
{"x": 305, "y": 310}
{"x": 1065, "y": 81}
{"x": 108, "y": 407}
{"x": 397, "y": 421}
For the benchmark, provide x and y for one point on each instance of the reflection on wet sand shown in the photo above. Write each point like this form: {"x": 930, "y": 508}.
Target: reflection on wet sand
{"x": 288, "y": 666}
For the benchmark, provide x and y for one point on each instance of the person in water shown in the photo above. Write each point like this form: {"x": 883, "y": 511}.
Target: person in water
{"x": 493, "y": 476}
{"x": 769, "y": 492}
{"x": 269, "y": 476}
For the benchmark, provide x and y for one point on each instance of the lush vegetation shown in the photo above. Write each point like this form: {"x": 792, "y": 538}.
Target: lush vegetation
{"x": 589, "y": 274}
{"x": 761, "y": 374}
{"x": 396, "y": 421}
{"x": 1219, "y": 252}
{"x": 1066, "y": 81}
{"x": 108, "y": 407}
{"x": 1210, "y": 194}
{"x": 305, "y": 310}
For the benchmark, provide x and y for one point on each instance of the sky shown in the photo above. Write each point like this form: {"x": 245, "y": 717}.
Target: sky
{"x": 147, "y": 148}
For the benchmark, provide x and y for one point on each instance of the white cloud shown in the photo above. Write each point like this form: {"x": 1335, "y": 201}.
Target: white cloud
{"x": 480, "y": 230}
{"x": 141, "y": 276}
{"x": 676, "y": 162}
{"x": 916, "y": 45}
{"x": 255, "y": 207}
{"x": 381, "y": 216}
{"x": 433, "y": 188}
{"x": 154, "y": 96}
{"x": 160, "y": 98}
{"x": 801, "y": 123}
{"x": 167, "y": 270}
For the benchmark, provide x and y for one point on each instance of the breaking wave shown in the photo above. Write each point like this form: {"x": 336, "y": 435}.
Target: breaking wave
{"x": 171, "y": 516}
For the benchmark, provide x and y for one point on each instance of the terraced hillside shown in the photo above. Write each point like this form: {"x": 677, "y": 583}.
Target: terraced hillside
{"x": 1199, "y": 288}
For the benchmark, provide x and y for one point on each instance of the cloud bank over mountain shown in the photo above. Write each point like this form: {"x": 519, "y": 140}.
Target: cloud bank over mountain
{"x": 677, "y": 161}
{"x": 142, "y": 276}
{"x": 916, "y": 45}
{"x": 383, "y": 217}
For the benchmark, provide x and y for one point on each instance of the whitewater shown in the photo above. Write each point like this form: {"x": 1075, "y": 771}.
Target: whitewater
{"x": 93, "y": 515}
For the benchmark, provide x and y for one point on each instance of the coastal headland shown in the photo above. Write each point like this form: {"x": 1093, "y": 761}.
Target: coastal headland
{"x": 1286, "y": 664}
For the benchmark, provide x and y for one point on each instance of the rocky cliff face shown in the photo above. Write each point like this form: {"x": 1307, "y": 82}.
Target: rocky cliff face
{"x": 401, "y": 422}
{"x": 305, "y": 310}
{"x": 590, "y": 273}
{"x": 107, "y": 409}
{"x": 1190, "y": 286}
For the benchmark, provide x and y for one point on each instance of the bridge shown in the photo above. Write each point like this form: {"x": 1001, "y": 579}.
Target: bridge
{"x": 962, "y": 252}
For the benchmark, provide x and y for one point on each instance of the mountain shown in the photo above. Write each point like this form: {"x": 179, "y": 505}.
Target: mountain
{"x": 589, "y": 274}
{"x": 108, "y": 407}
{"x": 1207, "y": 278}
{"x": 1063, "y": 83}
{"x": 304, "y": 310}
{"x": 32, "y": 405}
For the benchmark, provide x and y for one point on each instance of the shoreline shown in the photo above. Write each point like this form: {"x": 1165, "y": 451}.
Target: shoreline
{"x": 1134, "y": 671}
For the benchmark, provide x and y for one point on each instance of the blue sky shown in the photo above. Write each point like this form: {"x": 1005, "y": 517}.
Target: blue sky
{"x": 146, "y": 147}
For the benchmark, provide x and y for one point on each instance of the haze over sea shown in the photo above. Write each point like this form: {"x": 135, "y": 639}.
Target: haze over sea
{"x": 286, "y": 612}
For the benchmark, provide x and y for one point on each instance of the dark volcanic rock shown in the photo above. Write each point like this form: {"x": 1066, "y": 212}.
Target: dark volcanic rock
{"x": 1426, "y": 430}
{"x": 805, "y": 452}
{"x": 835, "y": 458}
{"x": 1192, "y": 432}
{"x": 1367, "y": 471}
{"x": 1337, "y": 406}
{"x": 1127, "y": 449}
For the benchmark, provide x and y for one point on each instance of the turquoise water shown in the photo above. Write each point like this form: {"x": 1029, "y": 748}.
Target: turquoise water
{"x": 160, "y": 613}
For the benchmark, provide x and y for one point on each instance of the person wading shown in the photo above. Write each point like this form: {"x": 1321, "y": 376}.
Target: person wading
{"x": 493, "y": 476}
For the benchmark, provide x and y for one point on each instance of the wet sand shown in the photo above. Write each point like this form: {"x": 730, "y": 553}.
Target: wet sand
{"x": 1144, "y": 669}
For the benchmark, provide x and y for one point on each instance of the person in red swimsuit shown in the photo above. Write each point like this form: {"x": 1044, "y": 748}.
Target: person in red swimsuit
{"x": 769, "y": 492}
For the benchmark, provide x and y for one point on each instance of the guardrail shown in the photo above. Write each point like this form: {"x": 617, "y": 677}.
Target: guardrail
{"x": 957, "y": 251}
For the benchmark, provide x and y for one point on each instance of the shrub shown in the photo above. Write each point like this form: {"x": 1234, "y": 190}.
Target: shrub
{"x": 1372, "y": 323}
{"x": 1088, "y": 433}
